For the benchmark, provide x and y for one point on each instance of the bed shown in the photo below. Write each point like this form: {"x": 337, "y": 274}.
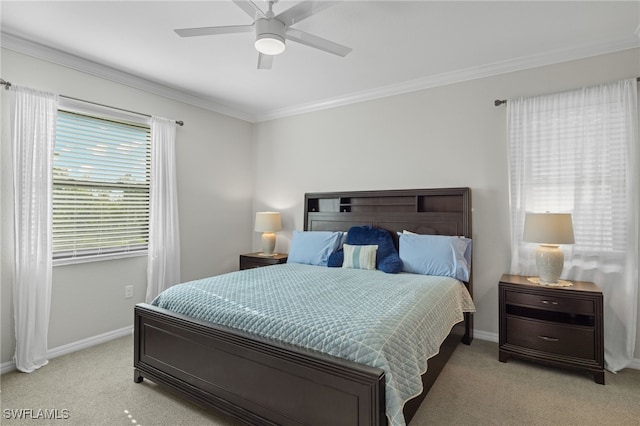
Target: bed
{"x": 262, "y": 380}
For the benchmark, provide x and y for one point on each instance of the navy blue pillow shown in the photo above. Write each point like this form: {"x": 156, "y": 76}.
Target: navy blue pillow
{"x": 387, "y": 258}
{"x": 335, "y": 259}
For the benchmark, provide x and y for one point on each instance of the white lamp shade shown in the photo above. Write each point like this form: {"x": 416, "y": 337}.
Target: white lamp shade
{"x": 548, "y": 228}
{"x": 268, "y": 222}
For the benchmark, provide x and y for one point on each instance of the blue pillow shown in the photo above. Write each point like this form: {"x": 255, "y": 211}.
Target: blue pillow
{"x": 313, "y": 247}
{"x": 336, "y": 259}
{"x": 387, "y": 259}
{"x": 447, "y": 256}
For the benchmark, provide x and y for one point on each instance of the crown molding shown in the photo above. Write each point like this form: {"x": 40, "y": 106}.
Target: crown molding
{"x": 24, "y": 46}
{"x": 21, "y": 45}
{"x": 488, "y": 70}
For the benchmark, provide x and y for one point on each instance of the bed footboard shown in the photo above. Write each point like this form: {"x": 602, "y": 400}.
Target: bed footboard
{"x": 254, "y": 380}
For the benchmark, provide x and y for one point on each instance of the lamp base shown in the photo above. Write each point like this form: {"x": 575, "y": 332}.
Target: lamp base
{"x": 550, "y": 261}
{"x": 268, "y": 243}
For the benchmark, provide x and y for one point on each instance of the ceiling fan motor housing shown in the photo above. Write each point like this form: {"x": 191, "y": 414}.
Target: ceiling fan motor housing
{"x": 270, "y": 36}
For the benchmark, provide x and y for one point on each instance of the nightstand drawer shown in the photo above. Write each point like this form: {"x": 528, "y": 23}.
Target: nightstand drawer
{"x": 248, "y": 264}
{"x": 573, "y": 341}
{"x": 550, "y": 303}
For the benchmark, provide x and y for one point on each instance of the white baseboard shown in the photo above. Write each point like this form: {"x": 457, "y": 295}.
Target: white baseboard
{"x": 484, "y": 335}
{"x": 5, "y": 367}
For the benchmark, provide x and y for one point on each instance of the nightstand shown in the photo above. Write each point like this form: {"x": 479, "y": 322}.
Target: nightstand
{"x": 560, "y": 326}
{"x": 256, "y": 260}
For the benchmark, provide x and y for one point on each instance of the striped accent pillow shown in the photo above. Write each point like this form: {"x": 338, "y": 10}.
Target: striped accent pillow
{"x": 359, "y": 257}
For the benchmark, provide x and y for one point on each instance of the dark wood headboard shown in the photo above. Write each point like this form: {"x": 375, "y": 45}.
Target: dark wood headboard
{"x": 442, "y": 211}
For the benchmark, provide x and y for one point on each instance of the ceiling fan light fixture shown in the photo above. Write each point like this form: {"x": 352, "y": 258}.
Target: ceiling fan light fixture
{"x": 269, "y": 44}
{"x": 270, "y": 36}
{"x": 271, "y": 31}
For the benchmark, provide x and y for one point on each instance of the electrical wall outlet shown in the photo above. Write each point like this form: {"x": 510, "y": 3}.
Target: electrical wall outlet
{"x": 128, "y": 291}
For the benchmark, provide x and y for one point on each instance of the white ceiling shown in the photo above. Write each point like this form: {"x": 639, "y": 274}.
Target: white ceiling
{"x": 398, "y": 46}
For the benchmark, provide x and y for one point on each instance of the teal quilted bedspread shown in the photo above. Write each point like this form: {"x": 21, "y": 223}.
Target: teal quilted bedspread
{"x": 393, "y": 322}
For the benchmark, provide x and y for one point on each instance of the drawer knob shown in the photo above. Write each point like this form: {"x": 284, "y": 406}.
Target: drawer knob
{"x": 548, "y": 302}
{"x": 548, "y": 339}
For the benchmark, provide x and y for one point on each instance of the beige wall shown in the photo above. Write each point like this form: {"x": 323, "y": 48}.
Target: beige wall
{"x": 215, "y": 186}
{"x": 443, "y": 137}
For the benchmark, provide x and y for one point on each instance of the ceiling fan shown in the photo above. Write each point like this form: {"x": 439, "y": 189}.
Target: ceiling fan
{"x": 272, "y": 30}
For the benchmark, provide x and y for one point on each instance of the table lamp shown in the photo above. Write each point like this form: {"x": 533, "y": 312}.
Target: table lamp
{"x": 268, "y": 223}
{"x": 549, "y": 230}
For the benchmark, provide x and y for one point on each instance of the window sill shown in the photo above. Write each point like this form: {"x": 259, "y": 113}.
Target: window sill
{"x": 98, "y": 258}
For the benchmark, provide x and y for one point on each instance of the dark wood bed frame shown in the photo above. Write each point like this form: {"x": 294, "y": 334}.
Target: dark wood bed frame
{"x": 261, "y": 381}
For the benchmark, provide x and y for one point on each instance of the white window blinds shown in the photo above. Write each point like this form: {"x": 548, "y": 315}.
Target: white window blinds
{"x": 571, "y": 162}
{"x": 100, "y": 187}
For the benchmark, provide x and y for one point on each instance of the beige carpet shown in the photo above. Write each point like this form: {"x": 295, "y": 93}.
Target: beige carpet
{"x": 95, "y": 387}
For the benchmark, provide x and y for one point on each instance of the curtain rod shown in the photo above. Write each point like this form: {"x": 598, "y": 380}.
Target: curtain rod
{"x": 499, "y": 102}
{"x": 7, "y": 85}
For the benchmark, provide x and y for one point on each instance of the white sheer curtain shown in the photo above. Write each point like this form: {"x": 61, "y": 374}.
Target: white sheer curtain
{"x": 163, "y": 265}
{"x": 577, "y": 152}
{"x": 32, "y": 134}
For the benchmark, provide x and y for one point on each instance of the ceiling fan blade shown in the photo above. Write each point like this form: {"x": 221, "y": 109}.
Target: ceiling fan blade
{"x": 250, "y": 8}
{"x": 264, "y": 61}
{"x": 303, "y": 10}
{"x": 204, "y": 31}
{"x": 317, "y": 42}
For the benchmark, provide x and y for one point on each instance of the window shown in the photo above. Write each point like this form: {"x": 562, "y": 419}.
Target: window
{"x": 569, "y": 152}
{"x": 101, "y": 181}
{"x": 578, "y": 165}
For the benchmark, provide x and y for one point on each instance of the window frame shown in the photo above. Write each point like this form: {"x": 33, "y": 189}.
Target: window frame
{"x": 100, "y": 112}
